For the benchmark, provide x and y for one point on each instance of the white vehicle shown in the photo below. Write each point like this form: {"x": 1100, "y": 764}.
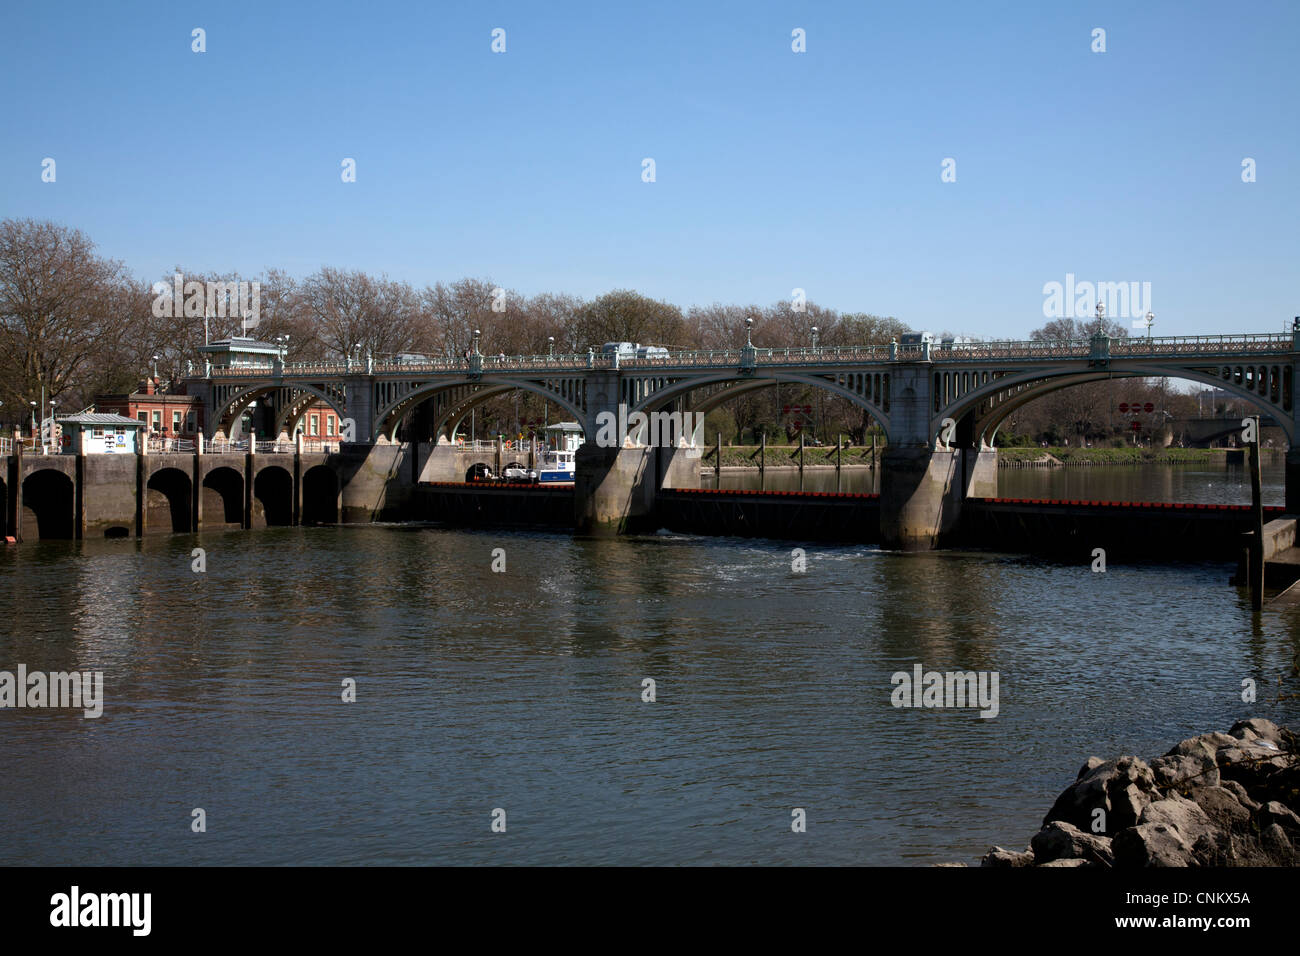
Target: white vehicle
{"x": 916, "y": 338}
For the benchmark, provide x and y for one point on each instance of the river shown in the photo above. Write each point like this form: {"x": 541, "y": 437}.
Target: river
{"x": 522, "y": 690}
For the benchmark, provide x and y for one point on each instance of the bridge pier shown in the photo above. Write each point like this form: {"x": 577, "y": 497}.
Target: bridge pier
{"x": 1293, "y": 481}
{"x": 613, "y": 488}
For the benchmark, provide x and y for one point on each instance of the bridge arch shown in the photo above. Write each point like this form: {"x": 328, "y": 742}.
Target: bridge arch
{"x": 223, "y": 498}
{"x": 981, "y": 411}
{"x": 234, "y": 407}
{"x": 387, "y": 420}
{"x": 868, "y": 391}
{"x": 168, "y": 497}
{"x": 48, "y": 504}
{"x": 273, "y": 490}
{"x": 320, "y": 496}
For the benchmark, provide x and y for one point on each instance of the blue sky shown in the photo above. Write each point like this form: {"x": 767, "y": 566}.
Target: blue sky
{"x": 774, "y": 170}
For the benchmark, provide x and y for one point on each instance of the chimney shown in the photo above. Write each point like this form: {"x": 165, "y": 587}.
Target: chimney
{"x": 148, "y": 386}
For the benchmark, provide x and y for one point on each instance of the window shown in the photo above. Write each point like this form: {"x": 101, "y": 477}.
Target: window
{"x": 98, "y": 432}
{"x": 329, "y": 425}
{"x": 157, "y": 420}
{"x": 189, "y": 422}
{"x": 315, "y": 426}
{"x": 142, "y": 416}
{"x": 176, "y": 423}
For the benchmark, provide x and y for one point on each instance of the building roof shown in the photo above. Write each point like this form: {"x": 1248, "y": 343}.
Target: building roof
{"x": 564, "y": 427}
{"x": 97, "y": 418}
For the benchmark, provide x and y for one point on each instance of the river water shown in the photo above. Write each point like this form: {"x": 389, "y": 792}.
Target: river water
{"x": 522, "y": 690}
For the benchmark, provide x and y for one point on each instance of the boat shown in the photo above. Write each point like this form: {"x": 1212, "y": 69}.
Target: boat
{"x": 556, "y": 461}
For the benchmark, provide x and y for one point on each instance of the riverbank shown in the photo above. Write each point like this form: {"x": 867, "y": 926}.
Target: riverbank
{"x": 1213, "y": 800}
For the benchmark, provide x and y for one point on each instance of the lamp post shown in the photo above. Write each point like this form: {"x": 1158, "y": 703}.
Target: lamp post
{"x": 477, "y": 333}
{"x": 814, "y": 338}
{"x": 550, "y": 346}
{"x": 749, "y": 326}
{"x": 155, "y": 367}
{"x": 1151, "y": 320}
{"x": 33, "y": 404}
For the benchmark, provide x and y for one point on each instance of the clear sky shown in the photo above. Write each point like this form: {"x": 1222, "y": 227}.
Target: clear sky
{"x": 774, "y": 169}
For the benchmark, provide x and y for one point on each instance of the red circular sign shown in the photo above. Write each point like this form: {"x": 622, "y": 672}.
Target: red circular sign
{"x": 1123, "y": 406}
{"x": 1149, "y": 407}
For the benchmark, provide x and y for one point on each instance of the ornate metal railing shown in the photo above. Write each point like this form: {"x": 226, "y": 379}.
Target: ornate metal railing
{"x": 1209, "y": 346}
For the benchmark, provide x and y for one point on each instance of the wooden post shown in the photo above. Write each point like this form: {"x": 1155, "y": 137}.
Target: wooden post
{"x": 1255, "y": 573}
{"x": 875, "y": 481}
{"x": 717, "y": 462}
{"x": 801, "y": 459}
{"x": 839, "y": 448}
{"x": 762, "y": 462}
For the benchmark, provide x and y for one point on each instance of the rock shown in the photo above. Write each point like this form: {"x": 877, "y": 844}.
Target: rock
{"x": 1274, "y": 839}
{"x": 1066, "y": 863}
{"x": 1176, "y": 811}
{"x": 1122, "y": 788}
{"x": 1064, "y": 841}
{"x": 1204, "y": 744}
{"x": 1279, "y": 814}
{"x": 1238, "y": 791}
{"x": 1184, "y": 771}
{"x": 1004, "y": 858}
{"x": 1223, "y": 806}
{"x": 948, "y": 865}
{"x": 1152, "y": 844}
{"x": 1251, "y": 763}
{"x": 1256, "y": 728}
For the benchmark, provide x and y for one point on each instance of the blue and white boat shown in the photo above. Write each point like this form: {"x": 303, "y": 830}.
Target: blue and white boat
{"x": 556, "y": 461}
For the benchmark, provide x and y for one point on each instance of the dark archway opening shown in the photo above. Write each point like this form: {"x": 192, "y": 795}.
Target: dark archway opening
{"x": 48, "y": 501}
{"x": 167, "y": 501}
{"x": 117, "y": 531}
{"x": 223, "y": 498}
{"x": 478, "y": 472}
{"x": 320, "y": 496}
{"x": 273, "y": 492}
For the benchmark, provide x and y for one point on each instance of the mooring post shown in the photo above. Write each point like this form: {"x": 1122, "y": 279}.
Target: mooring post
{"x": 1255, "y": 573}
{"x": 875, "y": 481}
{"x": 717, "y": 461}
{"x": 839, "y": 448}
{"x": 762, "y": 463}
{"x": 801, "y": 459}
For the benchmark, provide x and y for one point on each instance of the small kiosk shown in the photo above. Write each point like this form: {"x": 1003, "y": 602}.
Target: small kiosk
{"x": 99, "y": 433}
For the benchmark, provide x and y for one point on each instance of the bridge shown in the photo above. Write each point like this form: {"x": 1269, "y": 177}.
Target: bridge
{"x": 939, "y": 407}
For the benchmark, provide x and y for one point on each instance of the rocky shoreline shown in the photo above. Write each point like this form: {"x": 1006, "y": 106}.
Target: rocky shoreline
{"x": 1214, "y": 800}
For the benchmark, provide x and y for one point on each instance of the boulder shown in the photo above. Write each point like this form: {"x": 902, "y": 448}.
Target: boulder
{"x": 1122, "y": 788}
{"x": 1064, "y": 841}
{"x": 1238, "y": 791}
{"x": 999, "y": 857}
{"x": 1203, "y": 745}
{"x": 1256, "y": 728}
{"x": 1152, "y": 844}
{"x": 1067, "y": 863}
{"x": 1176, "y": 811}
{"x": 1277, "y": 813}
{"x": 1223, "y": 806}
{"x": 1184, "y": 771}
{"x": 1252, "y": 763}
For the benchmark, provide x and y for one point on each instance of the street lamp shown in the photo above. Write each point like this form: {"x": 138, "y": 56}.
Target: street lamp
{"x": 550, "y": 346}
{"x": 33, "y": 404}
{"x": 1151, "y": 320}
{"x": 814, "y": 338}
{"x": 749, "y": 325}
{"x": 155, "y": 367}
{"x": 477, "y": 333}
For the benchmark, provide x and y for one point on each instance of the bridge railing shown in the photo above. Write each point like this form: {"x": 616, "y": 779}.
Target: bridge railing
{"x": 1209, "y": 345}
